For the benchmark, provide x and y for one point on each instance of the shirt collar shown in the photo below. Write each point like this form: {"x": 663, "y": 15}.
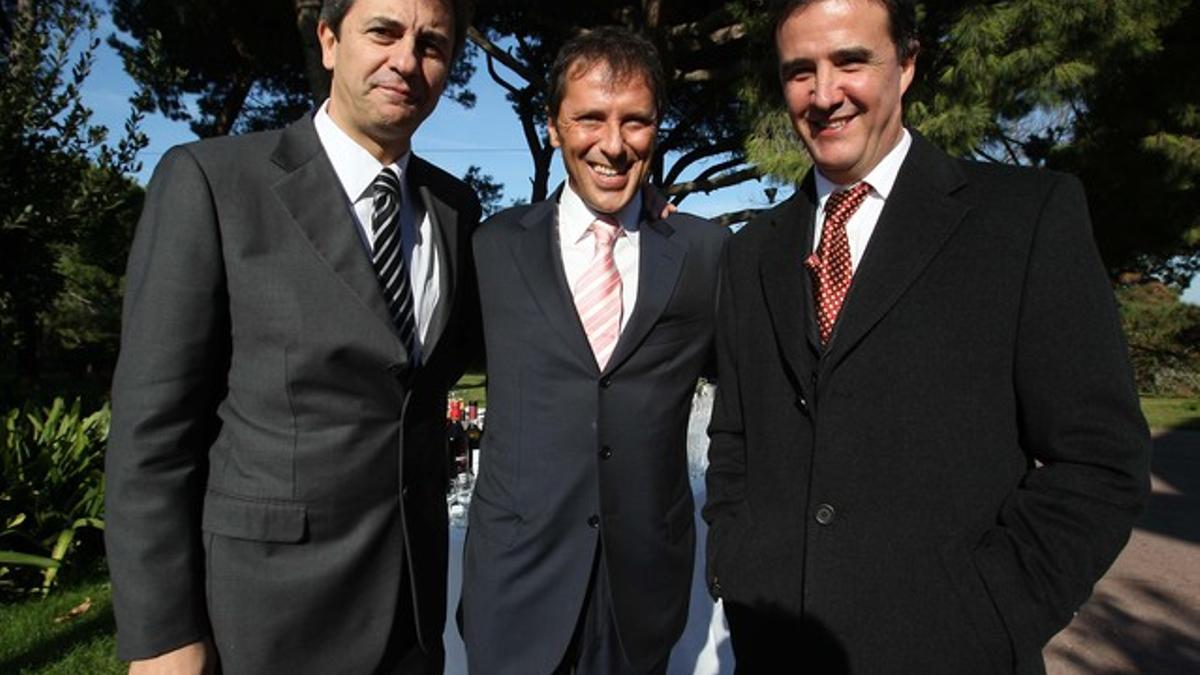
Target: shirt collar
{"x": 575, "y": 216}
{"x": 356, "y": 168}
{"x": 881, "y": 178}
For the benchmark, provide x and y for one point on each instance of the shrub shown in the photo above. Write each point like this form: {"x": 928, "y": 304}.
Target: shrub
{"x": 51, "y": 489}
{"x": 1164, "y": 339}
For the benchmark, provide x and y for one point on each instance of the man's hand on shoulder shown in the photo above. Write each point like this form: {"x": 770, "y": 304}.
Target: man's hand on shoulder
{"x": 197, "y": 658}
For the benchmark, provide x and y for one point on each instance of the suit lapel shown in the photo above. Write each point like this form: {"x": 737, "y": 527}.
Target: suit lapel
{"x": 444, "y": 221}
{"x": 785, "y": 287}
{"x": 538, "y": 257}
{"x": 660, "y": 261}
{"x": 311, "y": 194}
{"x": 918, "y": 219}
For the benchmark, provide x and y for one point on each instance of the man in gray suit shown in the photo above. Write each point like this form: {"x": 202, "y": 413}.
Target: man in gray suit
{"x": 298, "y": 303}
{"x": 598, "y": 318}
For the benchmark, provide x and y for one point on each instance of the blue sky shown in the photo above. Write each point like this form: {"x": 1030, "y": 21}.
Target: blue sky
{"x": 488, "y": 135}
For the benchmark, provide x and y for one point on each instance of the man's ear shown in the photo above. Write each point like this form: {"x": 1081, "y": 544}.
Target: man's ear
{"x": 328, "y": 39}
{"x": 552, "y": 128}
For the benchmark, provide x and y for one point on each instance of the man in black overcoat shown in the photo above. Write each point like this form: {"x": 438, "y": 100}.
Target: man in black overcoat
{"x": 926, "y": 441}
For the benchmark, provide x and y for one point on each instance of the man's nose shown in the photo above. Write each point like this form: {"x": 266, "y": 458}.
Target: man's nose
{"x": 827, "y": 89}
{"x": 403, "y": 57}
{"x": 612, "y": 143}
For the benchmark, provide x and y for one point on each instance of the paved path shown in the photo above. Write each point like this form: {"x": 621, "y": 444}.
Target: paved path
{"x": 1144, "y": 616}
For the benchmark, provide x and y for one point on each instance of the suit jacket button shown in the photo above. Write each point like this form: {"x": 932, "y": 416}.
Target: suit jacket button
{"x": 825, "y": 514}
{"x": 605, "y": 383}
{"x": 404, "y": 492}
{"x": 801, "y": 403}
{"x": 594, "y": 521}
{"x": 605, "y": 452}
{"x": 716, "y": 587}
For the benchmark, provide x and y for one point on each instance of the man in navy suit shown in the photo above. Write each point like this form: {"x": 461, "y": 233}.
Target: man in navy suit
{"x": 598, "y": 319}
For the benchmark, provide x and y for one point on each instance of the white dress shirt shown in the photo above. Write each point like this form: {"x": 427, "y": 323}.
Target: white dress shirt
{"x": 862, "y": 224}
{"x": 577, "y": 244}
{"x": 357, "y": 169}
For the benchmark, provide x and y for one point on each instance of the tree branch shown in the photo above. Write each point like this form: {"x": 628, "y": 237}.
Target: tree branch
{"x": 711, "y": 171}
{"x": 709, "y": 184}
{"x": 707, "y": 74}
{"x": 694, "y": 29}
{"x": 693, "y": 156}
{"x": 504, "y": 57}
{"x": 688, "y": 38}
{"x": 727, "y": 219}
{"x": 1008, "y": 147}
{"x": 984, "y": 154}
{"x": 491, "y": 67}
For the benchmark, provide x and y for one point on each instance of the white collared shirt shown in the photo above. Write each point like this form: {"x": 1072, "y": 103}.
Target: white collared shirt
{"x": 577, "y": 244}
{"x": 862, "y": 224}
{"x": 357, "y": 169}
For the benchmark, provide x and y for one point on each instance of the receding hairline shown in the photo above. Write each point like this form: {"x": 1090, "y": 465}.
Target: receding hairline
{"x": 614, "y": 77}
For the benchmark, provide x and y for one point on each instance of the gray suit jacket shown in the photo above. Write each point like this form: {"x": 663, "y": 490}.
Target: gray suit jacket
{"x": 573, "y": 455}
{"x": 274, "y": 462}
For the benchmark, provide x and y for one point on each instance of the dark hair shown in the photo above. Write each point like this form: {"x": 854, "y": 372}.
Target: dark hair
{"x": 625, "y": 53}
{"x": 333, "y": 11}
{"x": 902, "y": 22}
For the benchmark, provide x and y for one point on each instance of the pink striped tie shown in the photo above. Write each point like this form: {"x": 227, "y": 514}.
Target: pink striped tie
{"x": 598, "y": 292}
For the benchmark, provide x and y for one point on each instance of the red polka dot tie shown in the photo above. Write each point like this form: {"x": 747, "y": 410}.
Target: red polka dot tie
{"x": 830, "y": 265}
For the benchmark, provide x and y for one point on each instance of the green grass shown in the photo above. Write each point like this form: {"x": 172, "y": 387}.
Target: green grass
{"x": 1172, "y": 413}
{"x": 472, "y": 387}
{"x": 31, "y": 641}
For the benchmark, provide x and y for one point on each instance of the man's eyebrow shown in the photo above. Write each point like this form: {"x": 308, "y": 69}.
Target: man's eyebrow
{"x": 853, "y": 54}
{"x": 384, "y": 22}
{"x": 795, "y": 64}
{"x": 434, "y": 34}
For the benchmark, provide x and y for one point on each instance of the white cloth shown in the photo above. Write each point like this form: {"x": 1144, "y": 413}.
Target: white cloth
{"x": 862, "y": 224}
{"x": 356, "y": 170}
{"x": 577, "y": 244}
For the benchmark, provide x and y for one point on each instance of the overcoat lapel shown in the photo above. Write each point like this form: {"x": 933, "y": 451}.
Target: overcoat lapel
{"x": 660, "y": 262}
{"x": 918, "y": 219}
{"x": 785, "y": 288}
{"x": 538, "y": 258}
{"x": 310, "y": 193}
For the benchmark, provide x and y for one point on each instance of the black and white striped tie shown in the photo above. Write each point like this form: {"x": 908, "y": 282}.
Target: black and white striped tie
{"x": 387, "y": 255}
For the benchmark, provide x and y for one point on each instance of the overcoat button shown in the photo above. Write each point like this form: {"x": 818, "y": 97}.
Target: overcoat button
{"x": 594, "y": 521}
{"x": 825, "y": 514}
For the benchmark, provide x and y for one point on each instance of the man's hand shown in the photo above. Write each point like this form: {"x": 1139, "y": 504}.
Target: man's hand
{"x": 197, "y": 658}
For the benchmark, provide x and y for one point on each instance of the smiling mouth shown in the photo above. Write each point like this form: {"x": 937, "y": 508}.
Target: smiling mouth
{"x": 605, "y": 170}
{"x": 830, "y": 124}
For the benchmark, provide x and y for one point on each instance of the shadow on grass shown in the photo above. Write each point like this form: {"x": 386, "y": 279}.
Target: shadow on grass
{"x": 54, "y": 647}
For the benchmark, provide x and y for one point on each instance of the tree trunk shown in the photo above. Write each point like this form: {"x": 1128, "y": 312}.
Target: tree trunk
{"x": 308, "y": 13}
{"x": 235, "y": 100}
{"x": 541, "y": 173}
